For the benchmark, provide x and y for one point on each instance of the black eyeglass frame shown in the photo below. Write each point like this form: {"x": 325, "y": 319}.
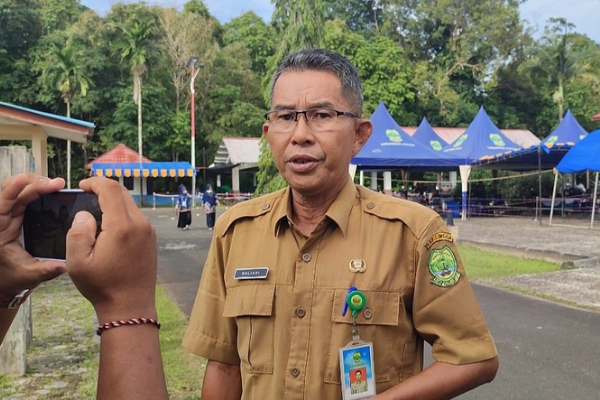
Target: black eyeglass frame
{"x": 298, "y": 112}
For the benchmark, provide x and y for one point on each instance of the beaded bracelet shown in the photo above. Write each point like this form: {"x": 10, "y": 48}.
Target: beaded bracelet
{"x": 132, "y": 321}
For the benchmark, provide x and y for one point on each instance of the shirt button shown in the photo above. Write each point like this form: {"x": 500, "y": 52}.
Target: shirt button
{"x": 265, "y": 206}
{"x": 300, "y": 312}
{"x": 370, "y": 206}
{"x": 367, "y": 313}
{"x": 295, "y": 372}
{"x": 306, "y": 257}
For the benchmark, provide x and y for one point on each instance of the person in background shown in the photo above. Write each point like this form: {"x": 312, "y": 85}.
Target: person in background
{"x": 210, "y": 201}
{"x": 183, "y": 209}
{"x": 271, "y": 314}
{"x": 115, "y": 270}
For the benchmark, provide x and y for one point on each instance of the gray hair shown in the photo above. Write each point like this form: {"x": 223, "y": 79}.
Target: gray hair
{"x": 327, "y": 61}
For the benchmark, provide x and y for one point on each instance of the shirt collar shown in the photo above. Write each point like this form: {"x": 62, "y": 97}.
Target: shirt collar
{"x": 338, "y": 212}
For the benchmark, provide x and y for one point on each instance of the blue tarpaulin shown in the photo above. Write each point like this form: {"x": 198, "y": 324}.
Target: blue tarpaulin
{"x": 172, "y": 169}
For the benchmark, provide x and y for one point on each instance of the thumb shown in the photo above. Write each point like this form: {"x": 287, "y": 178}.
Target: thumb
{"x": 81, "y": 238}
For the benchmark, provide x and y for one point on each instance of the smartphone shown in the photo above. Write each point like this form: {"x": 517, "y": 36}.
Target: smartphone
{"x": 48, "y": 219}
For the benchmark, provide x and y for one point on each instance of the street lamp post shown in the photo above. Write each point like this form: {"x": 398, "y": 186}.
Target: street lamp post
{"x": 193, "y": 73}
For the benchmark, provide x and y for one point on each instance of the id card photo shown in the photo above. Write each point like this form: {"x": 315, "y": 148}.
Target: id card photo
{"x": 357, "y": 375}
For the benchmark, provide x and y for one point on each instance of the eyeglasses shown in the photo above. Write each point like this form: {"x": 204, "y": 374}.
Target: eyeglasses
{"x": 318, "y": 119}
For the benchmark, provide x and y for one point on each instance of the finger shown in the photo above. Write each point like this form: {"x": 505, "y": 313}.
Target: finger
{"x": 11, "y": 188}
{"x": 81, "y": 239}
{"x": 116, "y": 206}
{"x": 111, "y": 198}
{"x": 37, "y": 186}
{"x": 21, "y": 271}
{"x": 46, "y": 270}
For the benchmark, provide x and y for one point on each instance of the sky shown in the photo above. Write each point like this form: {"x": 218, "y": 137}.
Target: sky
{"x": 583, "y": 13}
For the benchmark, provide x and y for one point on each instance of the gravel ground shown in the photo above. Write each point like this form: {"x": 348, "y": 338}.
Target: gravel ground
{"x": 575, "y": 246}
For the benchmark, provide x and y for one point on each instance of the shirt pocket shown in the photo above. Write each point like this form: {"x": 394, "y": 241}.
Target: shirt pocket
{"x": 378, "y": 323}
{"x": 252, "y": 308}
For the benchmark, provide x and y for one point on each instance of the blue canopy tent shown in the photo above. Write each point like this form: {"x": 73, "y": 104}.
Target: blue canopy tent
{"x": 584, "y": 156}
{"x": 544, "y": 156}
{"x": 427, "y": 136}
{"x": 482, "y": 140}
{"x": 390, "y": 147}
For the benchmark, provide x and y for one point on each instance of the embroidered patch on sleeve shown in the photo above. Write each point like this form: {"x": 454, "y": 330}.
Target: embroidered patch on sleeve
{"x": 443, "y": 267}
{"x": 439, "y": 237}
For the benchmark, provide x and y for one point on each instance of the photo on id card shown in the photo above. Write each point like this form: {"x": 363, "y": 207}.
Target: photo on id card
{"x": 357, "y": 375}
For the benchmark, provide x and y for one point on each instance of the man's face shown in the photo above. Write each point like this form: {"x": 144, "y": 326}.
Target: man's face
{"x": 358, "y": 376}
{"x": 313, "y": 162}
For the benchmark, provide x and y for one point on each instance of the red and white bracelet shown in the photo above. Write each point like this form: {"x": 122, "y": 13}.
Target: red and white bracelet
{"x": 132, "y": 321}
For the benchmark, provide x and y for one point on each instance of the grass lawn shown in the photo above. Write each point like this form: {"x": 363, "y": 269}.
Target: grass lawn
{"x": 482, "y": 265}
{"x": 63, "y": 358}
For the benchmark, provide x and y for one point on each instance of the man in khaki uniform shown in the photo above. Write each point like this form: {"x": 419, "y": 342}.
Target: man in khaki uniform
{"x": 268, "y": 314}
{"x": 358, "y": 386}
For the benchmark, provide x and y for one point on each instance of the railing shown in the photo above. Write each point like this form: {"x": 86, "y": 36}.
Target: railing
{"x": 229, "y": 199}
{"x": 226, "y": 199}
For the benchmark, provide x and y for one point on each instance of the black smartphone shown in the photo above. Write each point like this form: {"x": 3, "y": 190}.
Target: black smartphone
{"x": 47, "y": 220}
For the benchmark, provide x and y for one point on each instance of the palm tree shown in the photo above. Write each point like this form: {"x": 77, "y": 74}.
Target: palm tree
{"x": 558, "y": 62}
{"x": 65, "y": 74}
{"x": 134, "y": 47}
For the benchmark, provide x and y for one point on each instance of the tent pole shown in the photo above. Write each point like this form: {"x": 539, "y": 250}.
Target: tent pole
{"x": 594, "y": 202}
{"x": 553, "y": 196}
{"x": 539, "y": 185}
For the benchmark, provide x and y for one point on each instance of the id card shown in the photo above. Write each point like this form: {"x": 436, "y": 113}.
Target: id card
{"x": 357, "y": 370}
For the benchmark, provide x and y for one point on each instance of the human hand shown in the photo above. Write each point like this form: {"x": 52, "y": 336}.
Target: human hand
{"x": 18, "y": 269}
{"x": 115, "y": 271}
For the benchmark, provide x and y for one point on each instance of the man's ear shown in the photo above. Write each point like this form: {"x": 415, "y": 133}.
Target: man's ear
{"x": 364, "y": 129}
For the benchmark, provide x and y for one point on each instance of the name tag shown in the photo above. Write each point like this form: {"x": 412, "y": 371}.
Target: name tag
{"x": 251, "y": 273}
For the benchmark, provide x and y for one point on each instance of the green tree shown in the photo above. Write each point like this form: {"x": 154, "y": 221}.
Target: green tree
{"x": 63, "y": 73}
{"x": 361, "y": 16}
{"x": 20, "y": 30}
{"x": 457, "y": 49}
{"x": 555, "y": 59}
{"x": 251, "y": 31}
{"x": 185, "y": 35}
{"x": 133, "y": 46}
{"x": 384, "y": 71}
{"x": 58, "y": 15}
{"x": 299, "y": 25}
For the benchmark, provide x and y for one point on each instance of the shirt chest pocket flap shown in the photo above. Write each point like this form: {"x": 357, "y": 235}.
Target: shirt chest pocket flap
{"x": 252, "y": 308}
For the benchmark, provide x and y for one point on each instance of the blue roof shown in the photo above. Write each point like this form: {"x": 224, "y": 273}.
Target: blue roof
{"x": 391, "y": 147}
{"x": 48, "y": 115}
{"x": 481, "y": 140}
{"x": 427, "y": 136}
{"x": 583, "y": 156}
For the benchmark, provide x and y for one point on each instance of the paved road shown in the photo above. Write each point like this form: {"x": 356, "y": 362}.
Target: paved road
{"x": 547, "y": 351}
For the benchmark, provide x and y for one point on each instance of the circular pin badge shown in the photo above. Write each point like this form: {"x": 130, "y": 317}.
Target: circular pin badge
{"x": 357, "y": 265}
{"x": 356, "y": 300}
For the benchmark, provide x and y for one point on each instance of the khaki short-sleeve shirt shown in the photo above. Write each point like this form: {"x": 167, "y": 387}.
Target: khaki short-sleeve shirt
{"x": 285, "y": 331}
